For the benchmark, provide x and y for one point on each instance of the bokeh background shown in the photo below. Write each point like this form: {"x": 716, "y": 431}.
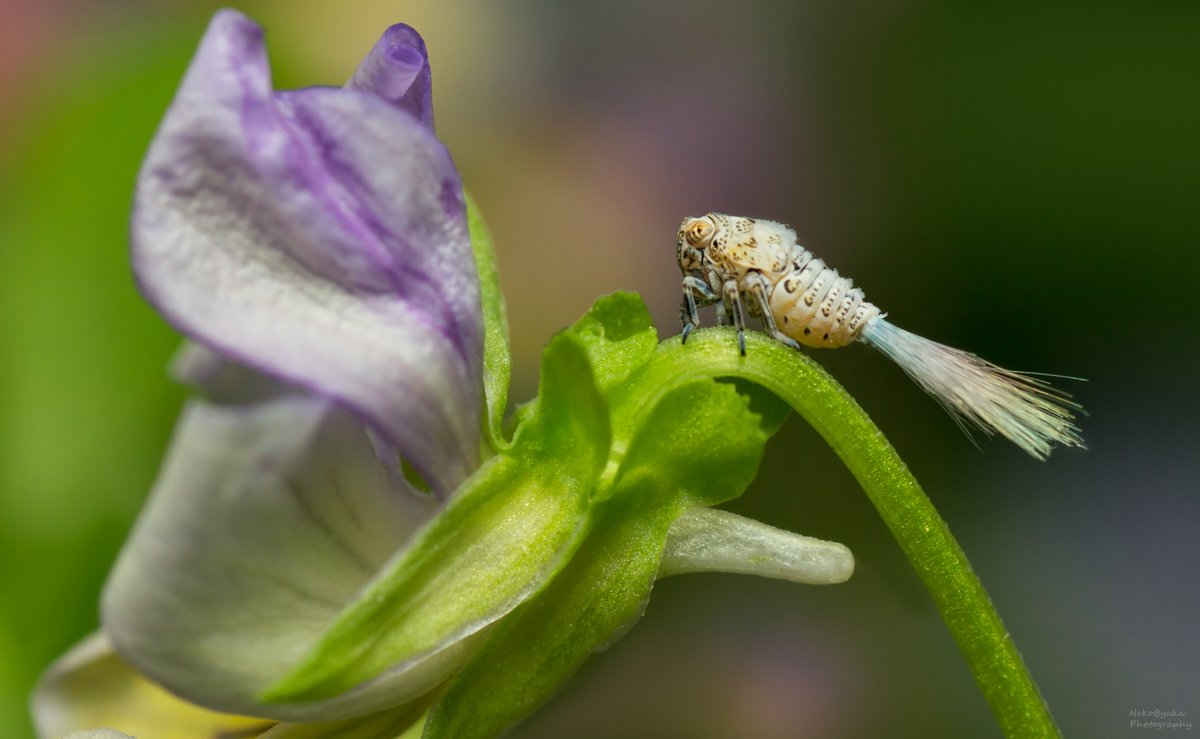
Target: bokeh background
{"x": 1021, "y": 180}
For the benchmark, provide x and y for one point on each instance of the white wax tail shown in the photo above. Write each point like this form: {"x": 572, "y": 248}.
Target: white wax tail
{"x": 1024, "y": 409}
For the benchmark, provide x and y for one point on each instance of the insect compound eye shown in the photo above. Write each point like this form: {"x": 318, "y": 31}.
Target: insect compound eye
{"x": 697, "y": 231}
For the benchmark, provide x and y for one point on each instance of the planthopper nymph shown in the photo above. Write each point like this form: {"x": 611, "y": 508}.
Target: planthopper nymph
{"x": 746, "y": 265}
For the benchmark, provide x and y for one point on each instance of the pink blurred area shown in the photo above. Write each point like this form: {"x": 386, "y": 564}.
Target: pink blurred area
{"x": 26, "y": 43}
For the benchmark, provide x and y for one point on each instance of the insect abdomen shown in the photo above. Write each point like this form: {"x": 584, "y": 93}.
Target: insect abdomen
{"x": 816, "y": 306}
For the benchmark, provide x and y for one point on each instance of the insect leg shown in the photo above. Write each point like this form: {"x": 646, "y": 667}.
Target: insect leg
{"x": 689, "y": 314}
{"x": 733, "y": 300}
{"x": 724, "y": 315}
{"x": 758, "y": 293}
{"x": 724, "y": 312}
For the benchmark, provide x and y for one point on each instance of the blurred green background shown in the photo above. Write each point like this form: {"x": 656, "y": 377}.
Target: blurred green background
{"x": 1019, "y": 180}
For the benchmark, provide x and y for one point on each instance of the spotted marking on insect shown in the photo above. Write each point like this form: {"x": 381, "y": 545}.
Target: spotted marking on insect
{"x": 747, "y": 265}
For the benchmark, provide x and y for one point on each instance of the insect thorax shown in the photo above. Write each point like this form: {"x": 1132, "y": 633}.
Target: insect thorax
{"x": 741, "y": 245}
{"x": 809, "y": 302}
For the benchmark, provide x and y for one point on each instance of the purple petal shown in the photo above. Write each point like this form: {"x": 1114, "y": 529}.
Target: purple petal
{"x": 319, "y": 236}
{"x": 397, "y": 70}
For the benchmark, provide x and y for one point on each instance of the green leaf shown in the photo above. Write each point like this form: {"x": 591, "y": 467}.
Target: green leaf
{"x": 534, "y": 652}
{"x": 619, "y": 336}
{"x": 497, "y": 365}
{"x": 571, "y": 426}
{"x": 510, "y": 529}
{"x": 700, "y": 439}
{"x": 705, "y": 440}
{"x": 769, "y": 406}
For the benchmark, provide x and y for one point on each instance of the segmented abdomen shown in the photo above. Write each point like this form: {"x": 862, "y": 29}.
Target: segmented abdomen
{"x": 816, "y": 306}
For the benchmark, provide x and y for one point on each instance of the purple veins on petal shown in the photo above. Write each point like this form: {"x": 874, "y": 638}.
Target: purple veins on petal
{"x": 319, "y": 236}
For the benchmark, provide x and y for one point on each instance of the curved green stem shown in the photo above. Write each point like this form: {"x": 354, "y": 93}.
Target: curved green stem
{"x": 908, "y": 512}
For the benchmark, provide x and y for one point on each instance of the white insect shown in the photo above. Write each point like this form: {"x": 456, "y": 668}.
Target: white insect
{"x": 756, "y": 266}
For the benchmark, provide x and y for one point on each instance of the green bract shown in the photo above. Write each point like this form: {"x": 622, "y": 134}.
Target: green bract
{"x": 575, "y": 512}
{"x": 496, "y": 361}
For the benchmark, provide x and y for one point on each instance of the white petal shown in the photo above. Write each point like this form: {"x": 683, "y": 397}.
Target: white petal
{"x": 264, "y": 522}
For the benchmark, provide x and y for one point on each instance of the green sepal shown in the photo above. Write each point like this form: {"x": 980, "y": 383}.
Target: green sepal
{"x": 535, "y": 651}
{"x": 699, "y": 444}
{"x": 700, "y": 441}
{"x": 619, "y": 336}
{"x": 770, "y": 407}
{"x": 497, "y": 364}
{"x": 571, "y": 427}
{"x": 510, "y": 528}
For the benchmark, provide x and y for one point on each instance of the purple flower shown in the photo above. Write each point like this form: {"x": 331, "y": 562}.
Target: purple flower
{"x": 314, "y": 245}
{"x": 319, "y": 236}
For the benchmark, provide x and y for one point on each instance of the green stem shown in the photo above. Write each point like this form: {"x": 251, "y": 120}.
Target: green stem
{"x": 895, "y": 493}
